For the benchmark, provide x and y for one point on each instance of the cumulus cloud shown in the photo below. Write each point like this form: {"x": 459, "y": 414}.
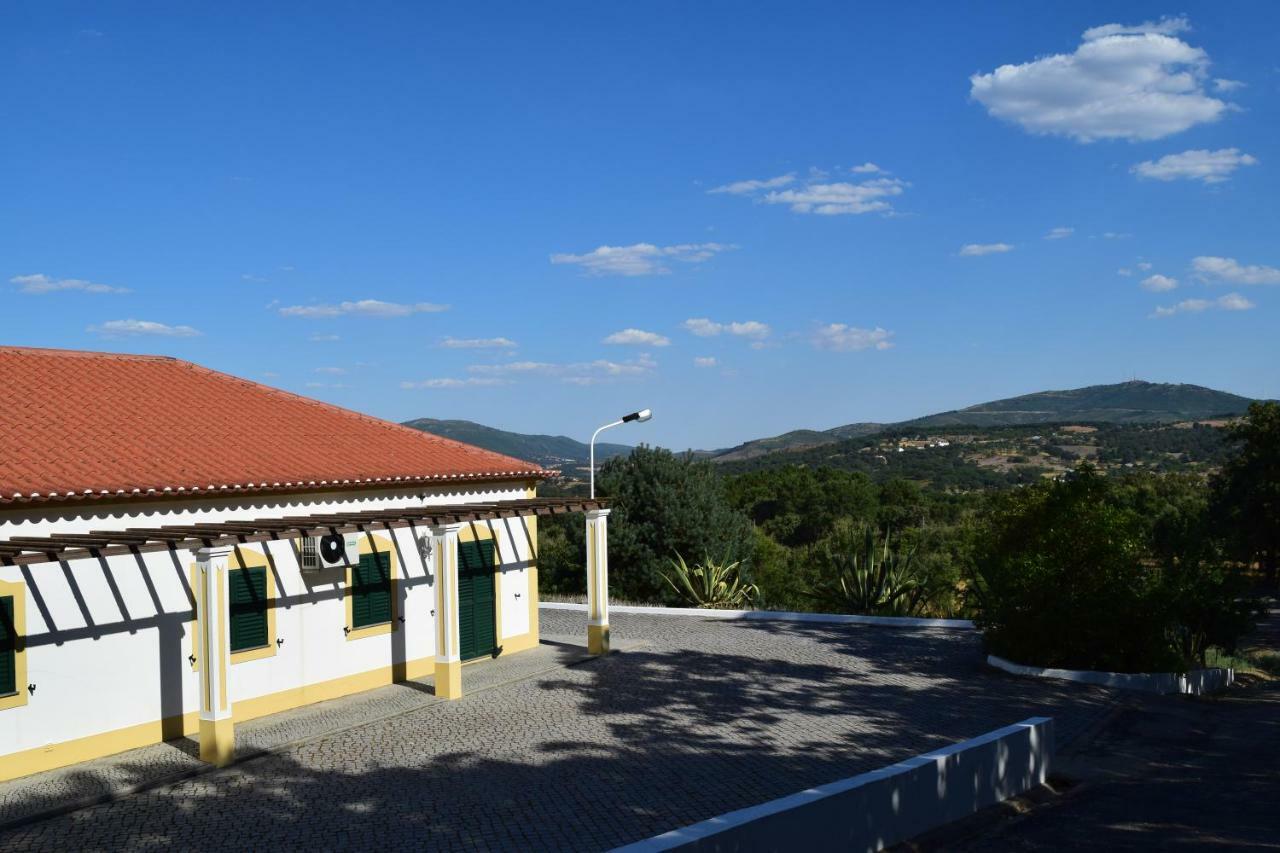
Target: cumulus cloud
{"x": 1229, "y": 302}
{"x": 843, "y": 338}
{"x": 1210, "y": 268}
{"x": 1222, "y": 84}
{"x": 40, "y": 283}
{"x": 1211, "y": 167}
{"x": 574, "y": 373}
{"x": 638, "y": 337}
{"x": 133, "y": 328}
{"x": 324, "y": 339}
{"x": 704, "y": 328}
{"x": 478, "y": 343}
{"x": 974, "y": 250}
{"x": 1122, "y": 82}
{"x": 469, "y": 382}
{"x": 1060, "y": 233}
{"x": 1159, "y": 283}
{"x": 333, "y": 371}
{"x": 362, "y": 308}
{"x": 640, "y": 258}
{"x": 705, "y": 361}
{"x": 817, "y": 194}
{"x": 749, "y": 187}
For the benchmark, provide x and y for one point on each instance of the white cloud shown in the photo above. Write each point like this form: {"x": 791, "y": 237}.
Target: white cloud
{"x": 1125, "y": 271}
{"x": 131, "y": 328}
{"x": 327, "y": 385}
{"x": 1229, "y": 302}
{"x": 1143, "y": 265}
{"x": 705, "y": 361}
{"x": 362, "y": 307}
{"x": 640, "y": 258}
{"x": 1060, "y": 233}
{"x": 1122, "y": 82}
{"x": 840, "y": 198}
{"x": 974, "y": 250}
{"x": 333, "y": 371}
{"x": 41, "y": 283}
{"x": 575, "y": 373}
{"x": 749, "y": 187}
{"x": 1159, "y": 283}
{"x": 1222, "y": 84}
{"x": 704, "y": 328}
{"x": 638, "y": 337}
{"x": 1211, "y": 167}
{"x": 817, "y": 194}
{"x": 322, "y": 339}
{"x": 842, "y": 338}
{"x": 469, "y": 382}
{"x": 1210, "y": 268}
{"x": 479, "y": 343}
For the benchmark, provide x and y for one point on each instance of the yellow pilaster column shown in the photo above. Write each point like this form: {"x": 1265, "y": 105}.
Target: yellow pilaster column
{"x": 444, "y": 553}
{"x": 598, "y": 581}
{"x": 217, "y": 729}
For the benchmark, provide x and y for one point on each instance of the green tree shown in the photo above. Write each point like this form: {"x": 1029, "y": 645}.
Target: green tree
{"x": 664, "y": 505}
{"x": 1247, "y": 491}
{"x": 799, "y": 505}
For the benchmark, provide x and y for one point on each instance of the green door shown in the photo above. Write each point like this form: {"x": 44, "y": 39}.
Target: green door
{"x": 477, "y": 629}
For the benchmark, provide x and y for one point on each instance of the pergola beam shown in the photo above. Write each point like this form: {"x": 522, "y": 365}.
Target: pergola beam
{"x": 25, "y": 550}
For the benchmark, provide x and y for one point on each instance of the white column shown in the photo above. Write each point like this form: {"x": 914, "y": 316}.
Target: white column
{"x": 444, "y": 552}
{"x": 217, "y": 729}
{"x": 598, "y": 581}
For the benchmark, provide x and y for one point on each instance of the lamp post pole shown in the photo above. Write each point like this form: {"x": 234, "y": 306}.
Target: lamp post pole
{"x": 639, "y": 417}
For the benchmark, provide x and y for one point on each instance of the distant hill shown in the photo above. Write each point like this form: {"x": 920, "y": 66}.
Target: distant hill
{"x": 551, "y": 451}
{"x": 1133, "y": 402}
{"x": 1123, "y": 403}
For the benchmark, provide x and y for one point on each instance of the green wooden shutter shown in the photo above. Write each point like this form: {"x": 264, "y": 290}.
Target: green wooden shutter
{"x": 371, "y": 590}
{"x": 8, "y": 648}
{"x": 248, "y": 599}
{"x": 476, "y": 601}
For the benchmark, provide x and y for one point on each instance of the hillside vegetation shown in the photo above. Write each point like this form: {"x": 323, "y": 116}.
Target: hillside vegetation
{"x": 551, "y": 451}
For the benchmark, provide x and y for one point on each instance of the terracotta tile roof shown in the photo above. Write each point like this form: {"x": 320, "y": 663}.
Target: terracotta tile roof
{"x": 80, "y": 425}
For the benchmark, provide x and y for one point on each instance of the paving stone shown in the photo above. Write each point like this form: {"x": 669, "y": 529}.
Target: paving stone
{"x": 702, "y": 717}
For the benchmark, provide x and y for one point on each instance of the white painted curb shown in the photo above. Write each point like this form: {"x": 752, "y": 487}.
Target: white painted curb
{"x": 1193, "y": 683}
{"x": 831, "y": 618}
{"x": 881, "y": 808}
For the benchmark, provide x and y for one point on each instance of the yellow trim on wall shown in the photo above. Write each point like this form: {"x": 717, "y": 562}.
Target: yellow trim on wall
{"x": 18, "y": 590}
{"x": 371, "y": 543}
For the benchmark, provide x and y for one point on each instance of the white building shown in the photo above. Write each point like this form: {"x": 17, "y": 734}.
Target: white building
{"x": 181, "y": 549}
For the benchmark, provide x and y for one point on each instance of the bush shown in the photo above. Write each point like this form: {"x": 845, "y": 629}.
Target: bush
{"x": 1071, "y": 574}
{"x": 710, "y": 584}
{"x": 859, "y": 573}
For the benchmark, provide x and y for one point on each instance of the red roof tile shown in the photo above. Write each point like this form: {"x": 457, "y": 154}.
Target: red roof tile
{"x": 86, "y": 424}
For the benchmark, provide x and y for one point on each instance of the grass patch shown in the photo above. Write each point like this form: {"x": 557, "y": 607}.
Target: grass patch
{"x": 1263, "y": 663}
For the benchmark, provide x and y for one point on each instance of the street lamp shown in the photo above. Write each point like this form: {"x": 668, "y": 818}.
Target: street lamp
{"x": 639, "y": 417}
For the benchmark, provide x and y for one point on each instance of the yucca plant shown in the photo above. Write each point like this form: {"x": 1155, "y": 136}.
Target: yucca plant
{"x": 863, "y": 576}
{"x": 710, "y": 584}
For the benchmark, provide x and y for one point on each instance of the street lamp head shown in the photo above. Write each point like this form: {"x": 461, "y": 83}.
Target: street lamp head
{"x": 640, "y": 416}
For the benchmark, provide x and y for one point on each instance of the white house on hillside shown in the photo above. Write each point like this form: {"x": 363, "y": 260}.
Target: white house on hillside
{"x": 181, "y": 549}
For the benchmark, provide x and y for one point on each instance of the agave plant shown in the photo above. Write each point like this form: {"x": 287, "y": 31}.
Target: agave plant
{"x": 864, "y": 576}
{"x": 710, "y": 584}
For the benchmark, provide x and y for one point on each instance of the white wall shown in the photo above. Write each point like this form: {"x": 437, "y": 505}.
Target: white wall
{"x": 108, "y": 640}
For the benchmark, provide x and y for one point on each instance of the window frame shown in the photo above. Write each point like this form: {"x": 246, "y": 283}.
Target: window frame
{"x": 371, "y": 545}
{"x": 241, "y": 558}
{"x": 17, "y": 591}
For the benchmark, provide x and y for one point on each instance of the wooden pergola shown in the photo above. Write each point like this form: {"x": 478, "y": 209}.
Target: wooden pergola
{"x": 60, "y": 547}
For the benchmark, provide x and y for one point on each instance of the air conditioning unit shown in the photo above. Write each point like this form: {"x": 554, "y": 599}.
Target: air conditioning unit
{"x": 331, "y": 551}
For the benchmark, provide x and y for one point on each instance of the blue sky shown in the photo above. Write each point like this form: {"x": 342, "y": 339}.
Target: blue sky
{"x": 792, "y": 215}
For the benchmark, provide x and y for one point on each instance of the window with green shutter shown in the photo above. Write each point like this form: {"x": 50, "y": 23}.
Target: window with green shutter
{"x": 248, "y": 601}
{"x": 8, "y": 648}
{"x": 371, "y": 590}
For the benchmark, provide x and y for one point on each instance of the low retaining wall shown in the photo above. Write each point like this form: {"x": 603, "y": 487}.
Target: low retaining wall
{"x": 832, "y": 618}
{"x": 1193, "y": 683}
{"x": 881, "y": 808}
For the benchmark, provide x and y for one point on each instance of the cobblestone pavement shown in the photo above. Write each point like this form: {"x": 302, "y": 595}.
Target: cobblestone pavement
{"x": 705, "y": 717}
